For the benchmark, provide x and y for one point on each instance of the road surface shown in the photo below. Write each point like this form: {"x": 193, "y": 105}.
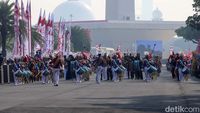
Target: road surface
{"x": 128, "y": 96}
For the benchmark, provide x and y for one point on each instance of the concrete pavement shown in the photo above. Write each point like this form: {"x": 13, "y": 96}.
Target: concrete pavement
{"x": 128, "y": 96}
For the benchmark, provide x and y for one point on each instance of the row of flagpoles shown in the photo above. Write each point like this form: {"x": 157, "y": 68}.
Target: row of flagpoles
{"x": 22, "y": 43}
{"x": 45, "y": 28}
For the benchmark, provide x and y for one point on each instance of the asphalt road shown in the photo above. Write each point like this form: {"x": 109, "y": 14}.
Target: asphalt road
{"x": 128, "y": 96}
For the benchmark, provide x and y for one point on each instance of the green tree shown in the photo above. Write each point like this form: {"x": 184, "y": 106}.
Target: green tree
{"x": 36, "y": 38}
{"x": 80, "y": 39}
{"x": 6, "y": 22}
{"x": 192, "y": 31}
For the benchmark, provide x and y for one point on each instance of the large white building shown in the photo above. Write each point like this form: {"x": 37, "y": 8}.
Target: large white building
{"x": 123, "y": 10}
{"x": 120, "y": 27}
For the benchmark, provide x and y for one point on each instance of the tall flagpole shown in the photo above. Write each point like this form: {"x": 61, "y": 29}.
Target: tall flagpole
{"x": 64, "y": 46}
{"x": 16, "y": 48}
{"x": 69, "y": 36}
{"x": 30, "y": 30}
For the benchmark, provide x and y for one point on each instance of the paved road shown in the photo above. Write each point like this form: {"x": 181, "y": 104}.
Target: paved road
{"x": 128, "y": 96}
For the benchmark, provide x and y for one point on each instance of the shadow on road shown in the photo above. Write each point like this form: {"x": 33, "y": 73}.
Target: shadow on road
{"x": 156, "y": 103}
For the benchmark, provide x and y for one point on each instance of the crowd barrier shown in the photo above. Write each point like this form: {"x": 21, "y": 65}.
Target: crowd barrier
{"x": 6, "y": 74}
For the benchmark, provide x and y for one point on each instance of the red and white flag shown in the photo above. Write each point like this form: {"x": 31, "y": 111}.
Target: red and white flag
{"x": 61, "y": 36}
{"x": 43, "y": 25}
{"x": 39, "y": 22}
{"x": 24, "y": 40}
{"x": 52, "y": 34}
{"x": 16, "y": 49}
{"x": 48, "y": 36}
{"x": 39, "y": 30}
{"x": 43, "y": 30}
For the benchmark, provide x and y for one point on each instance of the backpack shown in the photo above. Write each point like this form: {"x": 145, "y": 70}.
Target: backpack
{"x": 136, "y": 65}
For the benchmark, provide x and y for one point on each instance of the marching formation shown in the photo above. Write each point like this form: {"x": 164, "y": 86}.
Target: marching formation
{"x": 81, "y": 67}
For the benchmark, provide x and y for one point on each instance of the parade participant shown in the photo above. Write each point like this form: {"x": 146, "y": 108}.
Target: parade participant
{"x": 132, "y": 58}
{"x": 17, "y": 73}
{"x": 104, "y": 67}
{"x": 78, "y": 69}
{"x": 87, "y": 67}
{"x": 158, "y": 64}
{"x": 127, "y": 63}
{"x": 45, "y": 73}
{"x": 114, "y": 68}
{"x": 172, "y": 63}
{"x": 147, "y": 68}
{"x": 181, "y": 68}
{"x": 117, "y": 68}
{"x": 99, "y": 68}
{"x": 109, "y": 69}
{"x": 137, "y": 67}
{"x": 177, "y": 57}
{"x": 57, "y": 64}
{"x": 70, "y": 68}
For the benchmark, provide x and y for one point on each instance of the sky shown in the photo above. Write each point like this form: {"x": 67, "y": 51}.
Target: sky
{"x": 173, "y": 10}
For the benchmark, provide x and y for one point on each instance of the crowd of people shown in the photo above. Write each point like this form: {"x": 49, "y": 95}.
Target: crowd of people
{"x": 81, "y": 67}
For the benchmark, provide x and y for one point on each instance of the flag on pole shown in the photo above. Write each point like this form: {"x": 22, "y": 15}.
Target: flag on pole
{"x": 30, "y": 30}
{"x": 69, "y": 39}
{"x": 43, "y": 25}
{"x": 48, "y": 36}
{"x": 43, "y": 30}
{"x": 22, "y": 37}
{"x": 39, "y": 22}
{"x": 16, "y": 49}
{"x": 52, "y": 34}
{"x": 39, "y": 30}
{"x": 61, "y": 35}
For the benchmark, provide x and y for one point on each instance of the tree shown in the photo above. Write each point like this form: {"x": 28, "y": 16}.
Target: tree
{"x": 192, "y": 31}
{"x": 189, "y": 33}
{"x": 36, "y": 38}
{"x": 6, "y": 22}
{"x": 80, "y": 39}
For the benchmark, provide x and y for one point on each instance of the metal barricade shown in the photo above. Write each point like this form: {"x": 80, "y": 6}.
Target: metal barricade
{"x": 6, "y": 74}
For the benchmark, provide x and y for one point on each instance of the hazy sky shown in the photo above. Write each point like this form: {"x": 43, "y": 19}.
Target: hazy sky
{"x": 172, "y": 9}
